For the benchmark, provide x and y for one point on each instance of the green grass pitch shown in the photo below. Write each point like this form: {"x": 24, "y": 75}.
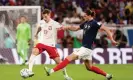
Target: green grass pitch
{"x": 77, "y": 72}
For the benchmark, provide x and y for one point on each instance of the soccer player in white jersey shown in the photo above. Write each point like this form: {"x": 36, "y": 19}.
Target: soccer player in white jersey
{"x": 48, "y": 35}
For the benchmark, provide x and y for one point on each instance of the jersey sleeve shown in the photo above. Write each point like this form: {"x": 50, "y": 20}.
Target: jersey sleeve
{"x": 82, "y": 26}
{"x": 39, "y": 24}
{"x": 57, "y": 25}
{"x": 98, "y": 24}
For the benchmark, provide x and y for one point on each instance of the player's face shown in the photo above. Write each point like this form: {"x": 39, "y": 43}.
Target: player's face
{"x": 86, "y": 17}
{"x": 46, "y": 17}
{"x": 23, "y": 19}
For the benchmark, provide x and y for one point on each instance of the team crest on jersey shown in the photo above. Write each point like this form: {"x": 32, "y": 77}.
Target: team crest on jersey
{"x": 50, "y": 27}
{"x": 87, "y": 26}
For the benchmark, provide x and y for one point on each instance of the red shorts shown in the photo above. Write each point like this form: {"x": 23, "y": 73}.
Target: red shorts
{"x": 52, "y": 51}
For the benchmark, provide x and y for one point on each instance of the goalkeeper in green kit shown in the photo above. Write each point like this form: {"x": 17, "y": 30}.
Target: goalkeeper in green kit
{"x": 23, "y": 37}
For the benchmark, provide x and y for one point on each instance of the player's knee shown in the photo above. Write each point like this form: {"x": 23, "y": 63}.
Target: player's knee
{"x": 72, "y": 57}
{"x": 57, "y": 60}
{"x": 69, "y": 58}
{"x": 35, "y": 51}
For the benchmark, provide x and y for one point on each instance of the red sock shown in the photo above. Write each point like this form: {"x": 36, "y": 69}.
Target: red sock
{"x": 61, "y": 65}
{"x": 98, "y": 70}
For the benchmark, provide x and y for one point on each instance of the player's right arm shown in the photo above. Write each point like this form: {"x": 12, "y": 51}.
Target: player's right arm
{"x": 38, "y": 30}
{"x": 106, "y": 29}
{"x": 75, "y": 28}
{"x": 72, "y": 28}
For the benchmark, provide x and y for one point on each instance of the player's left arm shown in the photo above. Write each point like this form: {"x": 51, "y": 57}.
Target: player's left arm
{"x": 109, "y": 33}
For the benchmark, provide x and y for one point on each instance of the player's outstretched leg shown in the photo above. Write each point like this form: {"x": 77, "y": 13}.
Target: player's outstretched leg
{"x": 35, "y": 52}
{"x": 58, "y": 60}
{"x": 61, "y": 65}
{"x": 97, "y": 70}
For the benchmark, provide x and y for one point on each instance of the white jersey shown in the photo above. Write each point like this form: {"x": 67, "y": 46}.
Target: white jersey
{"x": 48, "y": 33}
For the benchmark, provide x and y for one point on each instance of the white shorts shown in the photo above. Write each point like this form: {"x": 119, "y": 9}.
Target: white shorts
{"x": 84, "y": 53}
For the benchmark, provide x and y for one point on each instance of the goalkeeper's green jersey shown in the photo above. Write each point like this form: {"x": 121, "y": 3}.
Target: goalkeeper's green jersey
{"x": 23, "y": 32}
{"x": 23, "y": 36}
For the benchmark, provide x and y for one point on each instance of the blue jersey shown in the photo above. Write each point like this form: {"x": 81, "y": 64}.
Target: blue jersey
{"x": 90, "y": 29}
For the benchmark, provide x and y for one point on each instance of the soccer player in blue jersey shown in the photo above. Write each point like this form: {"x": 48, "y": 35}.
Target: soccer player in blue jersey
{"x": 90, "y": 29}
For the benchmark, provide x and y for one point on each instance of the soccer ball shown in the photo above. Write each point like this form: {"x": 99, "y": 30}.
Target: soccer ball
{"x": 24, "y": 73}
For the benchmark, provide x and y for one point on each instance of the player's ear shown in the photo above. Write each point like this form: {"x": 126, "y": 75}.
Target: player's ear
{"x": 50, "y": 14}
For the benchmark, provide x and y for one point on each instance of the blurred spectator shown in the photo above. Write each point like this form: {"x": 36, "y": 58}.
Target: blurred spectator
{"x": 121, "y": 21}
{"x": 78, "y": 8}
{"x": 130, "y": 22}
{"x": 130, "y": 7}
{"x": 3, "y": 25}
{"x": 100, "y": 17}
{"x": 34, "y": 2}
{"x": 76, "y": 43}
{"x": 4, "y": 2}
{"x": 105, "y": 41}
{"x": 61, "y": 8}
{"x": 97, "y": 44}
{"x": 75, "y": 19}
{"x": 60, "y": 35}
{"x": 111, "y": 23}
{"x": 103, "y": 21}
{"x": 2, "y": 32}
{"x": 111, "y": 17}
{"x": 127, "y": 14}
{"x": 122, "y": 4}
{"x": 20, "y": 2}
{"x": 72, "y": 19}
{"x": 121, "y": 38}
{"x": 12, "y": 2}
{"x": 8, "y": 41}
{"x": 67, "y": 41}
{"x": 66, "y": 19}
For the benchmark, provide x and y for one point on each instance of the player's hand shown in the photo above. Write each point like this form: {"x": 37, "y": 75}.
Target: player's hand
{"x": 66, "y": 28}
{"x": 114, "y": 42}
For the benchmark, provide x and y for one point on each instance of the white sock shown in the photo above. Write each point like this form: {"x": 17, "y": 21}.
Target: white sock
{"x": 31, "y": 61}
{"x": 64, "y": 72}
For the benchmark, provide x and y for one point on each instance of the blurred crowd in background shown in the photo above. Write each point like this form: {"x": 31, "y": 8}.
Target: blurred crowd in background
{"x": 112, "y": 13}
